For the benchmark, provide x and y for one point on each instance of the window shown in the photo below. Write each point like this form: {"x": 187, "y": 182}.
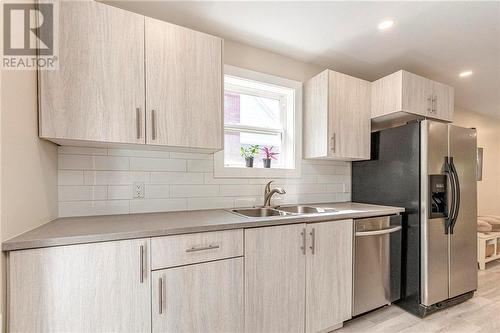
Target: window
{"x": 262, "y": 110}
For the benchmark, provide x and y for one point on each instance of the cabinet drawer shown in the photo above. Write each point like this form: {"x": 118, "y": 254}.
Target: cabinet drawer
{"x": 179, "y": 250}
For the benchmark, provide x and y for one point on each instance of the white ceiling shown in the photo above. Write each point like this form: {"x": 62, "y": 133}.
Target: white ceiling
{"x": 434, "y": 39}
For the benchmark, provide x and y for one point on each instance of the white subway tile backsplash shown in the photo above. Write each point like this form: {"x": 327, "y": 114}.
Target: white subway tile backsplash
{"x": 240, "y": 190}
{"x": 80, "y": 193}
{"x": 89, "y": 208}
{"x": 190, "y": 191}
{"x": 119, "y": 192}
{"x": 156, "y": 164}
{"x": 111, "y": 163}
{"x": 115, "y": 177}
{"x": 75, "y": 162}
{"x": 157, "y": 205}
{"x": 191, "y": 156}
{"x": 70, "y": 177}
{"x": 139, "y": 153}
{"x": 200, "y": 165}
{"x": 210, "y": 203}
{"x": 176, "y": 178}
{"x": 154, "y": 191}
{"x": 97, "y": 181}
{"x": 210, "y": 179}
{"x": 81, "y": 150}
{"x": 248, "y": 201}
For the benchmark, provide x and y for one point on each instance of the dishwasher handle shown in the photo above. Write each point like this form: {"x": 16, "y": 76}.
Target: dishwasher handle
{"x": 378, "y": 232}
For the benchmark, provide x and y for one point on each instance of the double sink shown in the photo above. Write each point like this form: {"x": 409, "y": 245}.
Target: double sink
{"x": 281, "y": 211}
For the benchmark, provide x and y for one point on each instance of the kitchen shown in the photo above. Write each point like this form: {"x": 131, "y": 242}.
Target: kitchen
{"x": 145, "y": 199}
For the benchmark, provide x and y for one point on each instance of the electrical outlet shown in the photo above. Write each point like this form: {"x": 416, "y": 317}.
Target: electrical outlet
{"x": 138, "y": 191}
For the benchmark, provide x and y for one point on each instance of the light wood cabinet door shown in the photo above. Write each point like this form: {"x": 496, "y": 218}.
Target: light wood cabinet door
{"x": 328, "y": 275}
{"x": 417, "y": 94}
{"x": 202, "y": 298}
{"x": 183, "y": 87}
{"x": 443, "y": 101}
{"x": 275, "y": 279}
{"x": 99, "y": 287}
{"x": 97, "y": 94}
{"x": 337, "y": 117}
{"x": 349, "y": 117}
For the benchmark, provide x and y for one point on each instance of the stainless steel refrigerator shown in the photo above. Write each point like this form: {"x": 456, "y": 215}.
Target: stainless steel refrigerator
{"x": 429, "y": 168}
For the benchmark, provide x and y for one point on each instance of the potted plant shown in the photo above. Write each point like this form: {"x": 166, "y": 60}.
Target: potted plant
{"x": 249, "y": 153}
{"x": 269, "y": 155}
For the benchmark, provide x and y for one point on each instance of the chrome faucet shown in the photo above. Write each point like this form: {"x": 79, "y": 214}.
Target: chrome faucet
{"x": 268, "y": 193}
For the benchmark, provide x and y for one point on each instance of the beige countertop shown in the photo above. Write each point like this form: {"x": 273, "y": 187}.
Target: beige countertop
{"x": 77, "y": 230}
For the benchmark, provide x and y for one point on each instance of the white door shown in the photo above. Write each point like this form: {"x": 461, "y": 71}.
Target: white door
{"x": 99, "y": 287}
{"x": 204, "y": 298}
{"x": 275, "y": 279}
{"x": 183, "y": 87}
{"x": 97, "y": 94}
{"x": 328, "y": 275}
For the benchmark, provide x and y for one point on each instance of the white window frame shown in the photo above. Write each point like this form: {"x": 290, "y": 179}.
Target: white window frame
{"x": 292, "y": 143}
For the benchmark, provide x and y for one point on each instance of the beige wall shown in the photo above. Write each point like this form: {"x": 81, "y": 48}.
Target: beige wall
{"x": 259, "y": 60}
{"x": 488, "y": 137}
{"x": 29, "y": 165}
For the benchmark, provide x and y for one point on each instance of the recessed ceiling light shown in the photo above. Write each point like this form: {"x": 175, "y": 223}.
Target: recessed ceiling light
{"x": 465, "y": 73}
{"x": 385, "y": 24}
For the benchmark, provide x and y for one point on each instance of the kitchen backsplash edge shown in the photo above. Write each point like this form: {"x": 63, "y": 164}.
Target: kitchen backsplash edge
{"x": 100, "y": 181}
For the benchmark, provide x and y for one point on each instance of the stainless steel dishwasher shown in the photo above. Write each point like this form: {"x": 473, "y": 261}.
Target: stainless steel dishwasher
{"x": 377, "y": 262}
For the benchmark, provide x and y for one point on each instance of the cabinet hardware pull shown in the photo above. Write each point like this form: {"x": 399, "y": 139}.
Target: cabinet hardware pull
{"x": 434, "y": 104}
{"x": 334, "y": 143}
{"x": 429, "y": 104}
{"x": 303, "y": 247}
{"x": 160, "y": 295}
{"x": 313, "y": 241}
{"x": 153, "y": 124}
{"x": 202, "y": 248}
{"x": 138, "y": 122}
{"x": 142, "y": 264}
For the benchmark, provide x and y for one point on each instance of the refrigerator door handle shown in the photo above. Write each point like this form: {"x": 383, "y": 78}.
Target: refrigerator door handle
{"x": 452, "y": 207}
{"x": 457, "y": 195}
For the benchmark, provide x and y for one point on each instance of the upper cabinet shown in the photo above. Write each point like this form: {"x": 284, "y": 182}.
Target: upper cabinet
{"x": 97, "y": 94}
{"x": 337, "y": 117}
{"x": 183, "y": 87}
{"x": 127, "y": 79}
{"x": 405, "y": 95}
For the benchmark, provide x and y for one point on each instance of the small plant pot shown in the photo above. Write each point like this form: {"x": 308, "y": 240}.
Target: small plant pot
{"x": 267, "y": 162}
{"x": 249, "y": 162}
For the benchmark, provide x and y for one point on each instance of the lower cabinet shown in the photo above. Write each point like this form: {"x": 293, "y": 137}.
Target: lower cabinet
{"x": 328, "y": 275}
{"x": 298, "y": 277}
{"x": 275, "y": 279}
{"x": 99, "y": 287}
{"x": 206, "y": 297}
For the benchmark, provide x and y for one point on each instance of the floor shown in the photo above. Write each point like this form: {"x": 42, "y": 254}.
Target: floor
{"x": 479, "y": 314}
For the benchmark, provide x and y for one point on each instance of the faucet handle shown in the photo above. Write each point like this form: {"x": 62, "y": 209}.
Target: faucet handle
{"x": 268, "y": 187}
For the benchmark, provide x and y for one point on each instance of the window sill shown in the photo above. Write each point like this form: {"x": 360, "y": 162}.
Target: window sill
{"x": 221, "y": 171}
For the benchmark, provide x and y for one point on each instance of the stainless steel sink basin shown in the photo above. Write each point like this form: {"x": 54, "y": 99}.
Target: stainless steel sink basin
{"x": 305, "y": 210}
{"x": 259, "y": 212}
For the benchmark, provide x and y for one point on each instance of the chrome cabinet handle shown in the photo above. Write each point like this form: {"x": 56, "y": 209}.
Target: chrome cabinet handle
{"x": 160, "y": 295}
{"x": 142, "y": 264}
{"x": 334, "y": 142}
{"x": 429, "y": 104}
{"x": 202, "y": 248}
{"x": 153, "y": 124}
{"x": 303, "y": 247}
{"x": 138, "y": 122}
{"x": 313, "y": 240}
{"x": 434, "y": 104}
{"x": 378, "y": 232}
